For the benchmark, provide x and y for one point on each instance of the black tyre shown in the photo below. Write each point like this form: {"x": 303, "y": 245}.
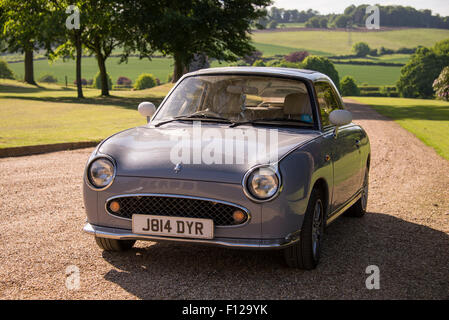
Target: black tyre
{"x": 358, "y": 209}
{"x": 114, "y": 245}
{"x": 305, "y": 254}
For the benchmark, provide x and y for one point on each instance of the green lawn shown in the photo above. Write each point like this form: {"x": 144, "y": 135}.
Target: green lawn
{"x": 426, "y": 119}
{"x": 337, "y": 42}
{"x": 372, "y": 75}
{"x": 50, "y": 114}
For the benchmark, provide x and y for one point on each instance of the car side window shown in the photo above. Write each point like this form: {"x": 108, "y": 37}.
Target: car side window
{"x": 327, "y": 101}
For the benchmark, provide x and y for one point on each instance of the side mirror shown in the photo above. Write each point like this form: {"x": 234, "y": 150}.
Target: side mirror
{"x": 340, "y": 117}
{"x": 146, "y": 109}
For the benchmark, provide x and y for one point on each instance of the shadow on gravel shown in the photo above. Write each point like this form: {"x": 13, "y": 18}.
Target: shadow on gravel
{"x": 413, "y": 262}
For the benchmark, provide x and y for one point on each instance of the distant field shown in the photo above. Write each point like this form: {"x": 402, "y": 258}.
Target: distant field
{"x": 337, "y": 42}
{"x": 372, "y": 75}
{"x": 159, "y": 67}
{"x": 426, "y": 119}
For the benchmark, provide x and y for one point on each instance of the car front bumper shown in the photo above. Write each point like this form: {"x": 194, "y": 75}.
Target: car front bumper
{"x": 125, "y": 234}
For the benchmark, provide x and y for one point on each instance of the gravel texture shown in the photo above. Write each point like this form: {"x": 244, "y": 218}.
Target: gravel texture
{"x": 405, "y": 233}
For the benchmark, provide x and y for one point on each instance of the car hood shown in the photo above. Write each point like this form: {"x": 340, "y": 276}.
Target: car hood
{"x": 178, "y": 152}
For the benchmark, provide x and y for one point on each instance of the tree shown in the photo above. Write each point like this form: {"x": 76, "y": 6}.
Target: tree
{"x": 71, "y": 42}
{"x": 313, "y": 22}
{"x": 441, "y": 85}
{"x": 297, "y": 56}
{"x": 361, "y": 49}
{"x": 348, "y": 87}
{"x": 323, "y": 65}
{"x": 418, "y": 75}
{"x": 219, "y": 29}
{"x": 27, "y": 26}
{"x": 104, "y": 30}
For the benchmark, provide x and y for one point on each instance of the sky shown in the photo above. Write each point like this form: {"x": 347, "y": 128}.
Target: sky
{"x": 334, "y": 6}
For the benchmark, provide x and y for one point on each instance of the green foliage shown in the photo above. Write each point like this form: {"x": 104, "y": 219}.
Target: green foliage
{"x": 97, "y": 81}
{"x": 348, "y": 87}
{"x": 361, "y": 49}
{"x": 259, "y": 63}
{"x": 441, "y": 85}
{"x": 145, "y": 81}
{"x": 272, "y": 25}
{"x": 5, "y": 71}
{"x": 418, "y": 75}
{"x": 323, "y": 65}
{"x": 48, "y": 78}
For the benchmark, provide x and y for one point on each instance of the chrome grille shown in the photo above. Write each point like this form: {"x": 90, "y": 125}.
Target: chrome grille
{"x": 220, "y": 213}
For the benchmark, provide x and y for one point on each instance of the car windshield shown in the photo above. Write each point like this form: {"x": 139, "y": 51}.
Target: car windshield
{"x": 238, "y": 99}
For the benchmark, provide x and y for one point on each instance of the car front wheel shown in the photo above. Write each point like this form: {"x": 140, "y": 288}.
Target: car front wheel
{"x": 305, "y": 254}
{"x": 114, "y": 244}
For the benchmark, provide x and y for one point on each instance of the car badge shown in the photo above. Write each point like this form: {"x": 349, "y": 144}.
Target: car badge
{"x": 178, "y": 167}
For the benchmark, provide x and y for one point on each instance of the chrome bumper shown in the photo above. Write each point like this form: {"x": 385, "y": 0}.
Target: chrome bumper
{"x": 124, "y": 234}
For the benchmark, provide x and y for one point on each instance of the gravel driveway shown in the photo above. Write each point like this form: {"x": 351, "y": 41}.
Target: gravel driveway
{"x": 405, "y": 233}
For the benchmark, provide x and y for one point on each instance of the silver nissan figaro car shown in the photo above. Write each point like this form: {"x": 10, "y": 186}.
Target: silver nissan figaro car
{"x": 243, "y": 157}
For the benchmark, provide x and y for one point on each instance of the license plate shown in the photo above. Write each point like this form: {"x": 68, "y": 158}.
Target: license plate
{"x": 173, "y": 226}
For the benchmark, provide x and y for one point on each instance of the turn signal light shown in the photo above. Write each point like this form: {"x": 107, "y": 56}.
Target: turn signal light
{"x": 114, "y": 206}
{"x": 238, "y": 216}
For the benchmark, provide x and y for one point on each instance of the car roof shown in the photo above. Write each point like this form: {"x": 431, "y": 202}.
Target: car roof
{"x": 270, "y": 71}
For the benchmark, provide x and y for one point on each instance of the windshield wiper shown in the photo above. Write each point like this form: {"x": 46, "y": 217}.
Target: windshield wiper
{"x": 268, "y": 120}
{"x": 198, "y": 117}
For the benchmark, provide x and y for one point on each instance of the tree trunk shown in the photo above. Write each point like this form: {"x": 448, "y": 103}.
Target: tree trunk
{"x": 79, "y": 49}
{"x": 103, "y": 75}
{"x": 179, "y": 68}
{"x": 29, "y": 68}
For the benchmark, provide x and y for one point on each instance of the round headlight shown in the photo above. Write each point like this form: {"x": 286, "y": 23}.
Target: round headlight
{"x": 101, "y": 173}
{"x": 262, "y": 183}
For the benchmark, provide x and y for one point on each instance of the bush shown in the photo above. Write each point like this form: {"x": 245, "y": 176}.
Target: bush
{"x": 145, "y": 81}
{"x": 253, "y": 57}
{"x": 272, "y": 24}
{"x": 441, "y": 85}
{"x": 259, "y": 63}
{"x": 48, "y": 78}
{"x": 97, "y": 81}
{"x": 348, "y": 87}
{"x": 323, "y": 65}
{"x": 297, "y": 56}
{"x": 361, "y": 49}
{"x": 124, "y": 81}
{"x": 5, "y": 71}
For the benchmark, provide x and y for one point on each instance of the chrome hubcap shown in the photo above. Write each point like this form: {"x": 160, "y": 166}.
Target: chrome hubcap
{"x": 317, "y": 228}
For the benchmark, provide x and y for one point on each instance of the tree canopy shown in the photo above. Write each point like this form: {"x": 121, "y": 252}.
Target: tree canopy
{"x": 423, "y": 68}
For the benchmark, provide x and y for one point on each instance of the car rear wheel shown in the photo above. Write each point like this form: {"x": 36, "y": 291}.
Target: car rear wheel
{"x": 305, "y": 254}
{"x": 358, "y": 209}
{"x": 114, "y": 244}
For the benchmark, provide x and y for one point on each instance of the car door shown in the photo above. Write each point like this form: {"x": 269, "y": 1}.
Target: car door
{"x": 344, "y": 147}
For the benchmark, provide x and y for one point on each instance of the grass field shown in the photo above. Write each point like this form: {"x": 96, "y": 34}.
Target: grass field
{"x": 372, "y": 75}
{"x": 337, "y": 42}
{"x": 426, "y": 119}
{"x": 50, "y": 114}
{"x": 161, "y": 68}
